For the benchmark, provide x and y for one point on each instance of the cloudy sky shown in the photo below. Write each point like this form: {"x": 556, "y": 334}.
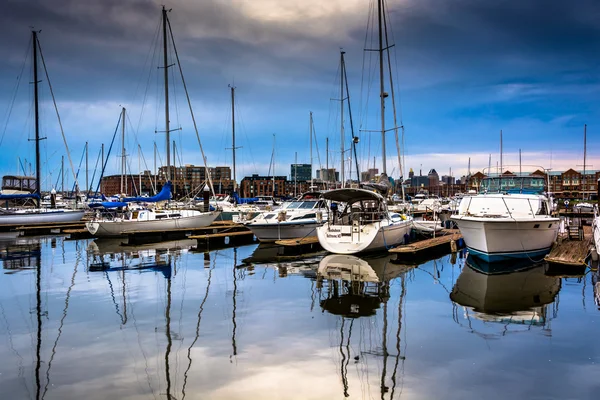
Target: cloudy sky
{"x": 463, "y": 69}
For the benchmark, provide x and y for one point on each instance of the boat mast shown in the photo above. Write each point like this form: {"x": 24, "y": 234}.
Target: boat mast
{"x": 273, "y": 158}
{"x": 38, "y": 173}
{"x": 382, "y": 94}
{"x": 123, "y": 162}
{"x": 139, "y": 169}
{"x": 584, "y": 157}
{"x": 233, "y": 135}
{"x": 327, "y": 160}
{"x": 310, "y": 125}
{"x": 87, "y": 187}
{"x": 165, "y": 67}
{"x": 342, "y": 117}
{"x": 501, "y": 170}
{"x": 62, "y": 174}
{"x": 155, "y": 171}
{"x": 296, "y": 174}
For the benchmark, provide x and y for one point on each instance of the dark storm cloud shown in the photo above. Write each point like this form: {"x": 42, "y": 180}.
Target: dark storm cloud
{"x": 456, "y": 59}
{"x": 98, "y": 42}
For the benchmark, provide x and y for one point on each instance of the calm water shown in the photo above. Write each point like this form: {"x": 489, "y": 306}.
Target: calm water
{"x": 233, "y": 324}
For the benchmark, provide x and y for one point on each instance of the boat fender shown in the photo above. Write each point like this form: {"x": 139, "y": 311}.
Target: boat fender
{"x": 319, "y": 216}
{"x": 403, "y": 217}
{"x": 453, "y": 247}
{"x": 281, "y": 216}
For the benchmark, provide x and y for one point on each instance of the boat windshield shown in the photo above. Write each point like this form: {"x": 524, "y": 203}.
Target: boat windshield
{"x": 513, "y": 184}
{"x": 308, "y": 204}
{"x": 294, "y": 204}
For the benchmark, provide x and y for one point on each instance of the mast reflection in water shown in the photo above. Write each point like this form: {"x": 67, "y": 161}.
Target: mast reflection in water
{"x": 198, "y": 325}
{"x": 354, "y": 288}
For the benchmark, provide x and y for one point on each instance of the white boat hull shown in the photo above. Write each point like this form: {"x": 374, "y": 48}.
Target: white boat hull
{"x": 596, "y": 228}
{"x": 346, "y": 239}
{"x": 284, "y": 230}
{"x": 427, "y": 227}
{"x": 119, "y": 227}
{"x": 494, "y": 239}
{"x": 40, "y": 217}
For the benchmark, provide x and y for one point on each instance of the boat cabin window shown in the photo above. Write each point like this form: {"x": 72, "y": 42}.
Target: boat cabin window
{"x": 513, "y": 184}
{"x": 312, "y": 215}
{"x": 269, "y": 216}
{"x": 294, "y": 204}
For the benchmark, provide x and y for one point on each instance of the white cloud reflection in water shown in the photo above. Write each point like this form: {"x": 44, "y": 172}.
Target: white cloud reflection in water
{"x": 111, "y": 348}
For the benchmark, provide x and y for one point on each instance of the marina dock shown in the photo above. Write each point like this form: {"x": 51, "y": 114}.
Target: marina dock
{"x": 42, "y": 229}
{"x": 570, "y": 250}
{"x": 145, "y": 237}
{"x": 225, "y": 238}
{"x": 427, "y": 247}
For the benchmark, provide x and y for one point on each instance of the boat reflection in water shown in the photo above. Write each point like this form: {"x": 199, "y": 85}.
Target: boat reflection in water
{"x": 19, "y": 254}
{"x": 353, "y": 287}
{"x": 110, "y": 255}
{"x": 512, "y": 294}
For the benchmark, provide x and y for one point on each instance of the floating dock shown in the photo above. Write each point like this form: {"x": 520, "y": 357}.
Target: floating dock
{"x": 42, "y": 229}
{"x": 145, "y": 237}
{"x": 222, "y": 239}
{"x": 571, "y": 252}
{"x": 428, "y": 247}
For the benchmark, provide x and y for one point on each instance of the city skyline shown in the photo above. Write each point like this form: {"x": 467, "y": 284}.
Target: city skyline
{"x": 464, "y": 70}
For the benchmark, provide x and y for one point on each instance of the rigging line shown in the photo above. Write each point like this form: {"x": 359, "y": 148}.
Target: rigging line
{"x": 189, "y": 352}
{"x": 108, "y": 155}
{"x": 57, "y": 114}
{"x": 191, "y": 110}
{"x": 79, "y": 166}
{"x": 15, "y": 91}
{"x": 148, "y": 62}
{"x": 351, "y": 123}
{"x": 242, "y": 124}
{"x": 389, "y": 62}
{"x": 62, "y": 321}
{"x": 316, "y": 144}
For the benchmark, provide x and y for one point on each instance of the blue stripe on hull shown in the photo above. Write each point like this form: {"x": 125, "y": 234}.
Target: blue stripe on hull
{"x": 535, "y": 255}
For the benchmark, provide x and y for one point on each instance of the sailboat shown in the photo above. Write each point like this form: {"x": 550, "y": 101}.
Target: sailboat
{"x": 235, "y": 211}
{"x": 151, "y": 219}
{"x": 38, "y": 215}
{"x": 364, "y": 223}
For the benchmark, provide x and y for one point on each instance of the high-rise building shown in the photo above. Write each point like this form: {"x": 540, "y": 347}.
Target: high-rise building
{"x": 328, "y": 175}
{"x": 300, "y": 172}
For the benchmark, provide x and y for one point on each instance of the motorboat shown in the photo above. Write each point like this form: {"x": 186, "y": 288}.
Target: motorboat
{"x": 583, "y": 207}
{"x": 428, "y": 227}
{"x": 515, "y": 222}
{"x": 429, "y": 205}
{"x": 296, "y": 219}
{"x": 362, "y": 224}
